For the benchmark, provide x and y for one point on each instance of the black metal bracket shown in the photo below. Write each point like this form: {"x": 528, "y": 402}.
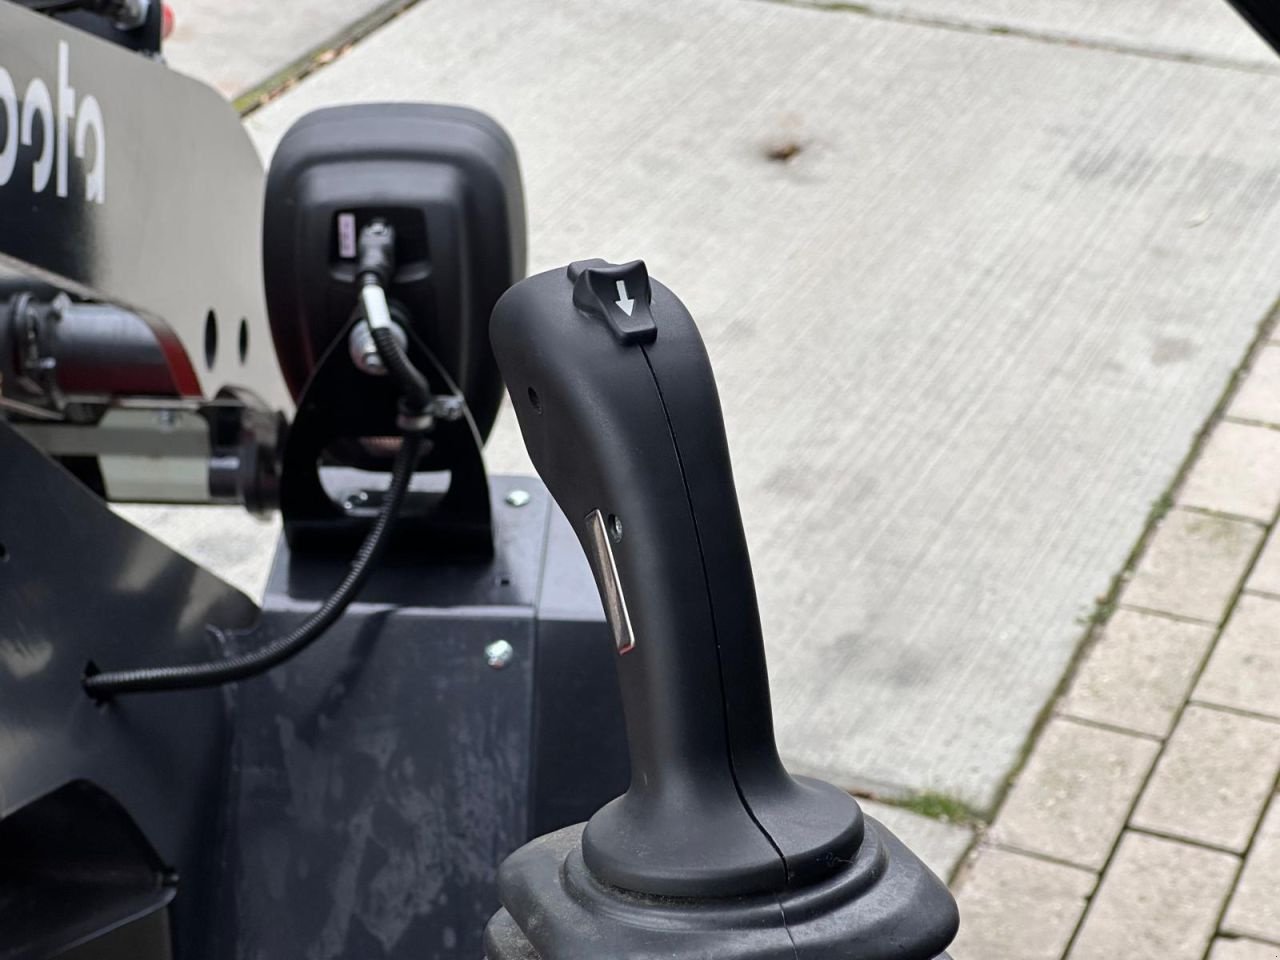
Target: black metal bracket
{"x": 347, "y": 419}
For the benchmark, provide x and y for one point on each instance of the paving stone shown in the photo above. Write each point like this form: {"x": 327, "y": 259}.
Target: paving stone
{"x": 1244, "y": 670}
{"x": 1266, "y": 572}
{"x": 1016, "y": 907}
{"x": 1213, "y": 779}
{"x": 1138, "y": 674}
{"x": 1259, "y": 396}
{"x": 1193, "y": 565}
{"x": 1226, "y": 949}
{"x": 1071, "y": 800}
{"x": 1172, "y": 27}
{"x": 940, "y": 845}
{"x": 1159, "y": 900}
{"x": 962, "y": 338}
{"x": 1238, "y": 472}
{"x": 1255, "y": 906}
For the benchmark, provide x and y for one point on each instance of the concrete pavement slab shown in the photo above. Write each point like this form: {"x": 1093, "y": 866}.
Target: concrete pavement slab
{"x": 1238, "y": 472}
{"x": 1193, "y": 565}
{"x": 1229, "y": 949}
{"x": 966, "y": 321}
{"x": 1259, "y": 396}
{"x": 1213, "y": 780}
{"x": 1159, "y": 900}
{"x": 1072, "y": 799}
{"x": 1254, "y": 910}
{"x": 233, "y": 45}
{"x": 1201, "y": 29}
{"x": 1265, "y": 577}
{"x": 1244, "y": 671}
{"x": 1017, "y": 907}
{"x": 1138, "y": 674}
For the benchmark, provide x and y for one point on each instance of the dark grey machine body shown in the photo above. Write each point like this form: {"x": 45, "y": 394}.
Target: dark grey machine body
{"x": 384, "y": 775}
{"x": 354, "y": 803}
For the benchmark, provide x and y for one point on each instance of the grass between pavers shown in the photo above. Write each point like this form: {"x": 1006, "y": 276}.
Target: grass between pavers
{"x": 319, "y": 57}
{"x": 1105, "y": 605}
{"x": 940, "y": 806}
{"x": 932, "y": 804}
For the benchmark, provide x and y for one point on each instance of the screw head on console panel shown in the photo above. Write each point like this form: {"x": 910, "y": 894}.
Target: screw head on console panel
{"x": 498, "y": 654}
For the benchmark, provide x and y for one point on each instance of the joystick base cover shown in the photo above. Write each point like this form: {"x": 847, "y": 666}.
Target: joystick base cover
{"x": 885, "y": 905}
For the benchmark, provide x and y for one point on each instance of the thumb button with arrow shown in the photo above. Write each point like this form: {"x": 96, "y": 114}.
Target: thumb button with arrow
{"x": 618, "y": 294}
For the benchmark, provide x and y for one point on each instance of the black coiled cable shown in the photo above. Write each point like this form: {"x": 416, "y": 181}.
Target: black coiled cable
{"x": 416, "y": 395}
{"x": 103, "y": 686}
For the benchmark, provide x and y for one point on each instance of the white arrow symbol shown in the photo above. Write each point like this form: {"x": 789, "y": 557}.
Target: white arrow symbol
{"x": 623, "y": 301}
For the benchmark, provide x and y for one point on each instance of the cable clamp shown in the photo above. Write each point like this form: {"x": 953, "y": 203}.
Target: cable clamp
{"x": 448, "y": 406}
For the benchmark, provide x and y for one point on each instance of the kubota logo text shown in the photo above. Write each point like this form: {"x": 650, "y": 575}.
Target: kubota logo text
{"x": 76, "y": 126}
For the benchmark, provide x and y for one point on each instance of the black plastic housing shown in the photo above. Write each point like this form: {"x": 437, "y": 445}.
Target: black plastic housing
{"x": 447, "y": 179}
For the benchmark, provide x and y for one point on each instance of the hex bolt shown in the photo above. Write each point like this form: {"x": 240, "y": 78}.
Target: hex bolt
{"x": 519, "y": 498}
{"x": 498, "y": 654}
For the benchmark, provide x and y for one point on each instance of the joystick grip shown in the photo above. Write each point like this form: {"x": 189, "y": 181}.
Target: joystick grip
{"x": 618, "y": 407}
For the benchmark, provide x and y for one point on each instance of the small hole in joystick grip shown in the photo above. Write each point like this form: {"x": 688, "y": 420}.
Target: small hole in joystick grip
{"x": 614, "y": 527}
{"x": 535, "y": 400}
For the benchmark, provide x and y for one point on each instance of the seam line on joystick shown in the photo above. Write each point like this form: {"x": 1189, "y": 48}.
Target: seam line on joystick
{"x": 702, "y": 563}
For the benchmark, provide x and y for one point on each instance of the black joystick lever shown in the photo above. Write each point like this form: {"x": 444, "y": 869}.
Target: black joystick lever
{"x": 715, "y": 850}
